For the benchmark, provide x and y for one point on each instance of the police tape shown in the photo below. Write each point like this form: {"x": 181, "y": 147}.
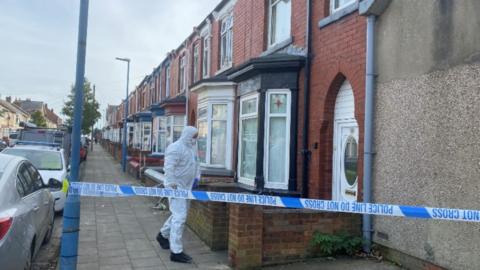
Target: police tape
{"x": 113, "y": 190}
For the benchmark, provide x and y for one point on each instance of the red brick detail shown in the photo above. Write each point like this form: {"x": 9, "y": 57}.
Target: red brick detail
{"x": 338, "y": 54}
{"x": 245, "y": 236}
{"x": 261, "y": 236}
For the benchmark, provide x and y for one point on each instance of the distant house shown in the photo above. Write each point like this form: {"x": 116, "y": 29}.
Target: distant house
{"x": 30, "y": 106}
{"x": 11, "y": 115}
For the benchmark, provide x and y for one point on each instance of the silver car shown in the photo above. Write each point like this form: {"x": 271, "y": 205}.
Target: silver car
{"x": 26, "y": 212}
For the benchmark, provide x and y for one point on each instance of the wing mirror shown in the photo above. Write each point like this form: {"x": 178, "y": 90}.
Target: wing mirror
{"x": 54, "y": 184}
{"x": 68, "y": 168}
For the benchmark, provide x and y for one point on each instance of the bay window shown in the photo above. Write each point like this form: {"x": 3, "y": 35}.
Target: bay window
{"x": 213, "y": 120}
{"x": 248, "y": 139}
{"x": 146, "y": 134}
{"x": 277, "y": 138}
{"x": 131, "y": 132}
{"x": 167, "y": 130}
{"x": 226, "y": 42}
{"x": 280, "y": 12}
{"x": 159, "y": 134}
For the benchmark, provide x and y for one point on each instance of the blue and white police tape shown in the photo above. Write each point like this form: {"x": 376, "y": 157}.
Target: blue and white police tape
{"x": 112, "y": 190}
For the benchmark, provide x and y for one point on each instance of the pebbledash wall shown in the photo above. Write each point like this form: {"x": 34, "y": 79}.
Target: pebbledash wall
{"x": 427, "y": 129}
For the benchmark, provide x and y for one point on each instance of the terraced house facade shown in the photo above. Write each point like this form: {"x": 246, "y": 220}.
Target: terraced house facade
{"x": 278, "y": 90}
{"x": 240, "y": 77}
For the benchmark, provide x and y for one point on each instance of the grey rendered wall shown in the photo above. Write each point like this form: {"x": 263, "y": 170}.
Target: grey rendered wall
{"x": 427, "y": 126}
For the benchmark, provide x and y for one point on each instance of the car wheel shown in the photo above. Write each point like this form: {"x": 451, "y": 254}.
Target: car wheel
{"x": 48, "y": 236}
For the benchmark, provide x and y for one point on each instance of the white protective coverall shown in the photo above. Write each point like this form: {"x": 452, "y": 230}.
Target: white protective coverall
{"x": 181, "y": 168}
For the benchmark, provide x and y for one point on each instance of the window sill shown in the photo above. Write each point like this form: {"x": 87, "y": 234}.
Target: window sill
{"x": 211, "y": 171}
{"x": 278, "y": 46}
{"x": 223, "y": 69}
{"x": 268, "y": 191}
{"x": 338, "y": 15}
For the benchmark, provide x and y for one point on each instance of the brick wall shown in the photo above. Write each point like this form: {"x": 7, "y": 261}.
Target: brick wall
{"x": 245, "y": 236}
{"x": 208, "y": 220}
{"x": 287, "y": 233}
{"x": 338, "y": 54}
{"x": 260, "y": 236}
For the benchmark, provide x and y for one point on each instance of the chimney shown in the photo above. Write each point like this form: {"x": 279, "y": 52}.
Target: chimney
{"x": 8, "y": 99}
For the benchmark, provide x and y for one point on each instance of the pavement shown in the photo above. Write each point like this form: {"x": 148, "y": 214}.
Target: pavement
{"x": 119, "y": 233}
{"x": 341, "y": 263}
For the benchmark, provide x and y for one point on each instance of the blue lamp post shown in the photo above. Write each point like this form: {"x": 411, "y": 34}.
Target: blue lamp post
{"x": 71, "y": 213}
{"x": 124, "y": 144}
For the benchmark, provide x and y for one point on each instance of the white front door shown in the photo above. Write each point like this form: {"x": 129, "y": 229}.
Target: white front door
{"x": 345, "y": 147}
{"x": 346, "y": 162}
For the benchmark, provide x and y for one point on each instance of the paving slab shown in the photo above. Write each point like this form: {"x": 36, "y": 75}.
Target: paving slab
{"x": 119, "y": 233}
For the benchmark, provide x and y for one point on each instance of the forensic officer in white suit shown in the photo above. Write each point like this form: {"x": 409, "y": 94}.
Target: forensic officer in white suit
{"x": 182, "y": 171}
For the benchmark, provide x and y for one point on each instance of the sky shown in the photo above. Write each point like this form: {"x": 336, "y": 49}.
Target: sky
{"x": 38, "y": 44}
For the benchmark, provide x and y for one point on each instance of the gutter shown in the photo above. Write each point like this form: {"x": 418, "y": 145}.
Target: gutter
{"x": 306, "y": 108}
{"x": 371, "y": 9}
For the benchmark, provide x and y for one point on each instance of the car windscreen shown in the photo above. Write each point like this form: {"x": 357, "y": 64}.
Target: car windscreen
{"x": 42, "y": 160}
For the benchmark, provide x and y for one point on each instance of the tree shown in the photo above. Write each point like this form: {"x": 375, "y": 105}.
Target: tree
{"x": 38, "y": 119}
{"x": 91, "y": 112}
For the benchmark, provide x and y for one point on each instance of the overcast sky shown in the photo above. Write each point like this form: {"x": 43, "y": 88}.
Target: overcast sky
{"x": 38, "y": 43}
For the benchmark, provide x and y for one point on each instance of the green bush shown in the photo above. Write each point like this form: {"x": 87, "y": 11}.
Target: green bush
{"x": 335, "y": 244}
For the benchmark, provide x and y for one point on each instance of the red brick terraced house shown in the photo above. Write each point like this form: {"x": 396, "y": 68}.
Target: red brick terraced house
{"x": 276, "y": 89}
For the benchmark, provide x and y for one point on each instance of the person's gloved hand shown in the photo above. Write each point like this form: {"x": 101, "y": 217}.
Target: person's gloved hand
{"x": 195, "y": 183}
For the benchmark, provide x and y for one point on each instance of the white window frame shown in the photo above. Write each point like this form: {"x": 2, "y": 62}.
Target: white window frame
{"x": 145, "y": 144}
{"x": 243, "y": 180}
{"x": 183, "y": 72}
{"x": 272, "y": 3}
{"x": 334, "y": 9}
{"x": 229, "y": 127}
{"x": 206, "y": 57}
{"x": 226, "y": 29}
{"x": 171, "y": 124}
{"x": 167, "y": 81}
{"x": 196, "y": 58}
{"x": 268, "y": 115}
{"x": 158, "y": 131}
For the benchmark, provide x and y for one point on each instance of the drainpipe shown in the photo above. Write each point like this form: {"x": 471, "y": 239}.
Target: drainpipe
{"x": 368, "y": 140}
{"x": 306, "y": 97}
{"x": 371, "y": 9}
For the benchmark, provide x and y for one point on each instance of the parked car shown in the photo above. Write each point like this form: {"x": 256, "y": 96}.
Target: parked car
{"x": 83, "y": 152}
{"x": 49, "y": 161}
{"x": 26, "y": 212}
{"x": 3, "y": 145}
{"x": 12, "y": 139}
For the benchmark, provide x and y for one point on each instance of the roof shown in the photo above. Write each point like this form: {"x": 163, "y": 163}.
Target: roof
{"x": 52, "y": 116}
{"x": 269, "y": 63}
{"x": 219, "y": 78}
{"x": 29, "y": 105}
{"x": 38, "y": 147}
{"x": 12, "y": 107}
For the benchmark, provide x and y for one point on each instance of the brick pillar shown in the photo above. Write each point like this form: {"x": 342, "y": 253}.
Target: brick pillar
{"x": 245, "y": 236}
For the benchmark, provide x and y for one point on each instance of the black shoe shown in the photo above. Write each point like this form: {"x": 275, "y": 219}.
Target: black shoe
{"x": 180, "y": 257}
{"x": 164, "y": 243}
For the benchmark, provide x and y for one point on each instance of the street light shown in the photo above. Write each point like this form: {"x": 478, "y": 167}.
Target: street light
{"x": 124, "y": 144}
